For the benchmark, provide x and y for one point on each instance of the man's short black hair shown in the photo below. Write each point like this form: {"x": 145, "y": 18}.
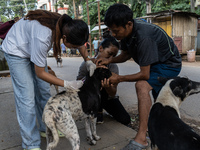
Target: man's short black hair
{"x": 118, "y": 14}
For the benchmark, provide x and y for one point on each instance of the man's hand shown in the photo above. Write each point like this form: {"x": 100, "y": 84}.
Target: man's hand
{"x": 103, "y": 61}
{"x": 114, "y": 79}
{"x": 90, "y": 67}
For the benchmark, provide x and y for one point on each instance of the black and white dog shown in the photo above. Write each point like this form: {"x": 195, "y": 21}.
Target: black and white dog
{"x": 62, "y": 110}
{"x": 59, "y": 61}
{"x": 166, "y": 130}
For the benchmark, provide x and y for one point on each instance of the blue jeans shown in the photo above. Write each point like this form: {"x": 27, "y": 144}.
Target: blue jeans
{"x": 31, "y": 95}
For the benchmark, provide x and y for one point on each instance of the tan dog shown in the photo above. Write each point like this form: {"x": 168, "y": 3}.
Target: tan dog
{"x": 53, "y": 73}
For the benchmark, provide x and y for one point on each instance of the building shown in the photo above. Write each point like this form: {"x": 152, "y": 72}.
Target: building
{"x": 180, "y": 26}
{"x": 50, "y": 6}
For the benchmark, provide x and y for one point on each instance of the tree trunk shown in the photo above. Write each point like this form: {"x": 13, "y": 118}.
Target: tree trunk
{"x": 75, "y": 16}
{"x": 148, "y": 6}
{"x": 192, "y": 5}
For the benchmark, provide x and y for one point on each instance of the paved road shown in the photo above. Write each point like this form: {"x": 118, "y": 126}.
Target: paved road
{"x": 126, "y": 90}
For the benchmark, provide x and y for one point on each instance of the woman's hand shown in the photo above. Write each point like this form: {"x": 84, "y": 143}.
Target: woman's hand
{"x": 75, "y": 85}
{"x": 90, "y": 67}
{"x": 110, "y": 88}
{"x": 106, "y": 83}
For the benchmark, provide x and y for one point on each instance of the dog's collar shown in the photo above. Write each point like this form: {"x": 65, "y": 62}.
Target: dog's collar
{"x": 83, "y": 79}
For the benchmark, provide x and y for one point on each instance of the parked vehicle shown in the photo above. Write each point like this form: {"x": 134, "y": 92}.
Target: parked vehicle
{"x": 50, "y": 53}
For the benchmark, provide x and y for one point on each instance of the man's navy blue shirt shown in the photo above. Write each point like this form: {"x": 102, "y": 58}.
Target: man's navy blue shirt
{"x": 150, "y": 44}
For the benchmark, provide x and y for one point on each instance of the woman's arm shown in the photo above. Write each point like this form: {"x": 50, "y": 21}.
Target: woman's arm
{"x": 42, "y": 74}
{"x": 89, "y": 64}
{"x": 84, "y": 53}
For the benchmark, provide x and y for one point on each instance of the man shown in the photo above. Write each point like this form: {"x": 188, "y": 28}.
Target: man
{"x": 100, "y": 40}
{"x": 95, "y": 45}
{"x": 152, "y": 49}
{"x": 63, "y": 48}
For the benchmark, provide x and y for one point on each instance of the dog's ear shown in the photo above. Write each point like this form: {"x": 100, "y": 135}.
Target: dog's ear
{"x": 177, "y": 91}
{"x": 163, "y": 80}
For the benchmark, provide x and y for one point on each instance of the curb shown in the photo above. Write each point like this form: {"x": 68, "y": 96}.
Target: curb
{"x": 4, "y": 73}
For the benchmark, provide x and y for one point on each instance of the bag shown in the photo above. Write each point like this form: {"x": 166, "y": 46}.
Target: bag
{"x": 5, "y": 27}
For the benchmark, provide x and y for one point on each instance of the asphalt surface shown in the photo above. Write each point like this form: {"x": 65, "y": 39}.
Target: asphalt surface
{"x": 113, "y": 134}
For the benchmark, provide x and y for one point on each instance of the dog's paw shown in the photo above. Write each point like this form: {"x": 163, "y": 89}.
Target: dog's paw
{"x": 96, "y": 137}
{"x": 91, "y": 141}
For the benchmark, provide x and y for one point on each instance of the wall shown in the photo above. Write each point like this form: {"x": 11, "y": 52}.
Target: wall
{"x": 165, "y": 23}
{"x": 185, "y": 27}
{"x": 198, "y": 38}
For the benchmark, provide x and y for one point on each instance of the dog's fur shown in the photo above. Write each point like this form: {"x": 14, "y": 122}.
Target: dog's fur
{"x": 166, "y": 130}
{"x": 62, "y": 110}
{"x": 54, "y": 74}
{"x": 59, "y": 61}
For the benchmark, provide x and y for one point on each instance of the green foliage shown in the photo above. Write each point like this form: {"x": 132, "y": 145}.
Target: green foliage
{"x": 4, "y": 10}
{"x": 161, "y": 5}
{"x": 183, "y": 6}
{"x": 138, "y": 7}
{"x": 4, "y": 19}
{"x": 16, "y": 7}
{"x": 71, "y": 8}
{"x": 93, "y": 11}
{"x": 197, "y": 11}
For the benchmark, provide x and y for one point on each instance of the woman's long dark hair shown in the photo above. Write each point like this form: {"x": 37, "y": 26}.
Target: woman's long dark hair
{"x": 75, "y": 30}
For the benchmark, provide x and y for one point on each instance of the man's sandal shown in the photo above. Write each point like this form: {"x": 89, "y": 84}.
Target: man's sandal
{"x": 133, "y": 145}
{"x": 33, "y": 149}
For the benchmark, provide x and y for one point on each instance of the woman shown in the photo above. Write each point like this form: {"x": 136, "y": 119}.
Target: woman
{"x": 26, "y": 46}
{"x": 109, "y": 100}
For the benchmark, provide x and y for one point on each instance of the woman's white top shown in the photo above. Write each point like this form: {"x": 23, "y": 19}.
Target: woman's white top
{"x": 29, "y": 39}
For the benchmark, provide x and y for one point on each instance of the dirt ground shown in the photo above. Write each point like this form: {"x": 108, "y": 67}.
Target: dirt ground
{"x": 135, "y": 121}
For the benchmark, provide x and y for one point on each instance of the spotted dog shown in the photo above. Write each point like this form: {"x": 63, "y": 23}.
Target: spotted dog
{"x": 166, "y": 130}
{"x": 62, "y": 110}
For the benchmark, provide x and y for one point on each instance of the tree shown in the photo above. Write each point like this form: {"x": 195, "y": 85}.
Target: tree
{"x": 71, "y": 8}
{"x": 4, "y": 19}
{"x": 13, "y": 8}
{"x": 4, "y": 10}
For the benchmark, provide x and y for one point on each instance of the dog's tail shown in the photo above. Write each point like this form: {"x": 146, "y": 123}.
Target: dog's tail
{"x": 51, "y": 130}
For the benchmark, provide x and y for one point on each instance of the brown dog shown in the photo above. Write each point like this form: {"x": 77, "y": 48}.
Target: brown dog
{"x": 53, "y": 73}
